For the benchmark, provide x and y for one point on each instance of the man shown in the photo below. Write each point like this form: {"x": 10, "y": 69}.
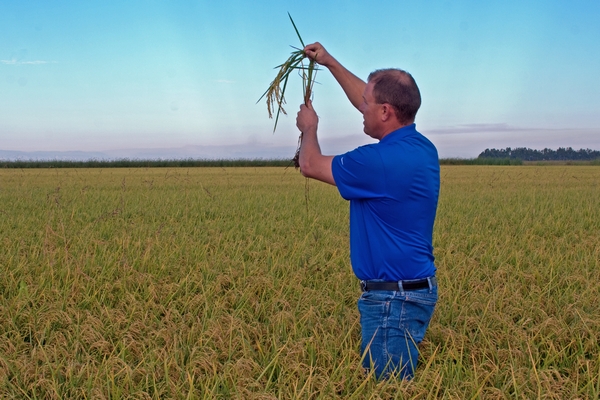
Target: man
{"x": 393, "y": 188}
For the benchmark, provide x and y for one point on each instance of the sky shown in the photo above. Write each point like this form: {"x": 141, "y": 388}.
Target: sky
{"x": 181, "y": 78}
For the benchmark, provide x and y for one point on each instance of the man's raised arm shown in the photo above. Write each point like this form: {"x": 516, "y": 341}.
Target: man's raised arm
{"x": 353, "y": 86}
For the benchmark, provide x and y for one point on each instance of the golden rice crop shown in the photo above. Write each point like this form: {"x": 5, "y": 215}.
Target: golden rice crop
{"x": 219, "y": 283}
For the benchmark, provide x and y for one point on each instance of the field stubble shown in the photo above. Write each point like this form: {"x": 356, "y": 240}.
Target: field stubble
{"x": 224, "y": 283}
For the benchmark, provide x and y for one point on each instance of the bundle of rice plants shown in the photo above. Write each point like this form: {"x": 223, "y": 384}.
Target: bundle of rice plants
{"x": 275, "y": 94}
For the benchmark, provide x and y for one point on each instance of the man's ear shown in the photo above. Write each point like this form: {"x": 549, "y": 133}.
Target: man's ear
{"x": 386, "y": 112}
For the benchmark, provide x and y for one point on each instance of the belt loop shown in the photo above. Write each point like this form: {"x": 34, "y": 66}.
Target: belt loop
{"x": 430, "y": 284}
{"x": 400, "y": 287}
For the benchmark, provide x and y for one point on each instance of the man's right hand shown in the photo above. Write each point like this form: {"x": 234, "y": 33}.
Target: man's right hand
{"x": 317, "y": 53}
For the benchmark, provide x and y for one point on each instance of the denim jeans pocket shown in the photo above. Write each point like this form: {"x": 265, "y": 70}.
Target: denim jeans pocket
{"x": 417, "y": 310}
{"x": 424, "y": 296}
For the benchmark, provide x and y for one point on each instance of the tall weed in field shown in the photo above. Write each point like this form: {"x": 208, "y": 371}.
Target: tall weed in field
{"x": 218, "y": 283}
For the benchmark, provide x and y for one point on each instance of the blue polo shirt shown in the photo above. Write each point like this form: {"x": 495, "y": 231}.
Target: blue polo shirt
{"x": 393, "y": 189}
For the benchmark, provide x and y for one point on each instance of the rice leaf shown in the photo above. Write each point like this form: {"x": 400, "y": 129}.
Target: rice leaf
{"x": 297, "y": 33}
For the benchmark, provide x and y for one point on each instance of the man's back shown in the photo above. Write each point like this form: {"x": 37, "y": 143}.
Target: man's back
{"x": 393, "y": 187}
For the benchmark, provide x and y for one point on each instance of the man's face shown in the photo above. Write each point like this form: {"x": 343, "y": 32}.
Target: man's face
{"x": 371, "y": 111}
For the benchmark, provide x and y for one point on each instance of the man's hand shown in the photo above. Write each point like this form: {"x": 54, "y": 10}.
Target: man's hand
{"x": 317, "y": 53}
{"x": 307, "y": 119}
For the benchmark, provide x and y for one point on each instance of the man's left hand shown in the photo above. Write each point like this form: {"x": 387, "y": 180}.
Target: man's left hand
{"x": 307, "y": 119}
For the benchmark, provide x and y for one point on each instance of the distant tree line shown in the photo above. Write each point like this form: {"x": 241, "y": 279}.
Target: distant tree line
{"x": 526, "y": 154}
{"x": 480, "y": 161}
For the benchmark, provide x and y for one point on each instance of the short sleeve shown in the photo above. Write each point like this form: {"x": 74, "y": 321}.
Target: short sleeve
{"x": 359, "y": 173}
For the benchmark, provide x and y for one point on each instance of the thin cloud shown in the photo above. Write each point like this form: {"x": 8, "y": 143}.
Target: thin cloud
{"x": 36, "y": 62}
{"x": 479, "y": 128}
{"x": 468, "y": 128}
{"x": 225, "y": 81}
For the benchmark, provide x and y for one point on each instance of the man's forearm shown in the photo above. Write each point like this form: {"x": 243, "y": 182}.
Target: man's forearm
{"x": 313, "y": 164}
{"x": 352, "y": 85}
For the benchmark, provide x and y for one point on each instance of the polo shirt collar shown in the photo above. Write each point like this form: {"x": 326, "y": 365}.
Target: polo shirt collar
{"x": 400, "y": 133}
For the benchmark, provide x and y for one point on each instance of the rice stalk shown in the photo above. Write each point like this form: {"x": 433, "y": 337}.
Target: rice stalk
{"x": 275, "y": 93}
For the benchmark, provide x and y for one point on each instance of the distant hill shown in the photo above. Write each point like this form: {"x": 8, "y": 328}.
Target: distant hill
{"x": 526, "y": 154}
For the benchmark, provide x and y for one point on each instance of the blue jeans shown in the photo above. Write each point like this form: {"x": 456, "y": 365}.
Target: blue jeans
{"x": 393, "y": 324}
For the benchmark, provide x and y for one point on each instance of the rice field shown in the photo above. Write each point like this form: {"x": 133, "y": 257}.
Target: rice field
{"x": 218, "y": 283}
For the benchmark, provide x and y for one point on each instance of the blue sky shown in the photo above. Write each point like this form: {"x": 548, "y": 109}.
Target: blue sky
{"x": 181, "y": 78}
